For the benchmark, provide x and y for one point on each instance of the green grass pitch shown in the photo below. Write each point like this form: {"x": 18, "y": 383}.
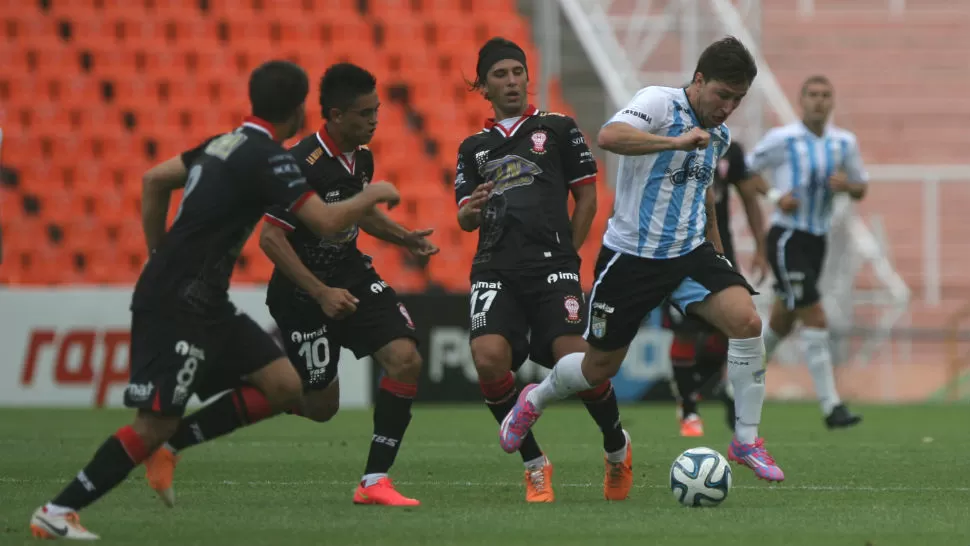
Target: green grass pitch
{"x": 901, "y": 478}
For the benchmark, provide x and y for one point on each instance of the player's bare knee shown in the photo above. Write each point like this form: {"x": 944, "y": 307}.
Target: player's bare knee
{"x": 781, "y": 327}
{"x": 282, "y": 388}
{"x": 813, "y": 316}
{"x": 324, "y": 413}
{"x": 599, "y": 367}
{"x": 404, "y": 366}
{"x": 320, "y": 411}
{"x": 492, "y": 360}
{"x": 747, "y": 325}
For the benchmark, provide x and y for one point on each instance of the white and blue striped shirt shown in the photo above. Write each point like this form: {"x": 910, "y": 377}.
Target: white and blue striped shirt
{"x": 659, "y": 208}
{"x": 801, "y": 162}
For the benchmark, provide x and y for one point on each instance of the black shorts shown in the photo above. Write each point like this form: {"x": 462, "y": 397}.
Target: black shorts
{"x": 313, "y": 340}
{"x": 175, "y": 355}
{"x": 528, "y": 308}
{"x": 796, "y": 258}
{"x": 628, "y": 287}
{"x": 682, "y": 324}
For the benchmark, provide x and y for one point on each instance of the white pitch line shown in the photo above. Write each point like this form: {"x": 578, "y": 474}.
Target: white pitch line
{"x": 267, "y": 483}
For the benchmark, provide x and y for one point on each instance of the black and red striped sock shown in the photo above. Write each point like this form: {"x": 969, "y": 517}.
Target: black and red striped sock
{"x": 392, "y": 414}
{"x": 601, "y": 404}
{"x": 711, "y": 360}
{"x": 500, "y": 398}
{"x": 111, "y": 464}
{"x": 682, "y": 355}
{"x": 235, "y": 409}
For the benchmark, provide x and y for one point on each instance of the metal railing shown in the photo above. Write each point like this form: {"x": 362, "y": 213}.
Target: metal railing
{"x": 806, "y": 8}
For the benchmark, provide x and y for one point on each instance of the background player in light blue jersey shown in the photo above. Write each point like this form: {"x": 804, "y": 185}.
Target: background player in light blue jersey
{"x": 662, "y": 244}
{"x": 809, "y": 162}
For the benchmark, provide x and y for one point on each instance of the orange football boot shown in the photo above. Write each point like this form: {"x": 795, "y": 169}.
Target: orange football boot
{"x": 619, "y": 476}
{"x": 382, "y": 493}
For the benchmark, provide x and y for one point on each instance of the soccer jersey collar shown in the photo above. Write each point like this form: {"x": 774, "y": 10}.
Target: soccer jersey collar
{"x": 491, "y": 123}
{"x": 826, "y": 132}
{"x": 690, "y": 109}
{"x": 259, "y": 124}
{"x": 348, "y": 160}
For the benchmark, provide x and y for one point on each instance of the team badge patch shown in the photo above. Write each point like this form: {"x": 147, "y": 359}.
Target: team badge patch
{"x": 539, "y": 142}
{"x": 572, "y": 309}
{"x": 597, "y": 326}
{"x": 407, "y": 317}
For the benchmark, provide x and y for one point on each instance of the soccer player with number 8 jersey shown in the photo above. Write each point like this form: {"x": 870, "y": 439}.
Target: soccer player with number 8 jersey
{"x": 186, "y": 336}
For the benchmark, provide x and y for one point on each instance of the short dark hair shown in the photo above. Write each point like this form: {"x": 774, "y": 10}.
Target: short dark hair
{"x": 817, "y": 78}
{"x": 341, "y": 84}
{"x": 277, "y": 89}
{"x": 728, "y": 61}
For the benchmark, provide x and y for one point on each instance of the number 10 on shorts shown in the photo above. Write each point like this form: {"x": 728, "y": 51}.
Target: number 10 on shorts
{"x": 316, "y": 353}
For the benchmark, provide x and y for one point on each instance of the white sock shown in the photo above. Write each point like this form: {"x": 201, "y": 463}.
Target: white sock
{"x": 536, "y": 463}
{"x": 566, "y": 379}
{"x": 370, "y": 479}
{"x": 815, "y": 343}
{"x": 772, "y": 340}
{"x": 619, "y": 455}
{"x": 746, "y": 372}
{"x": 57, "y": 510}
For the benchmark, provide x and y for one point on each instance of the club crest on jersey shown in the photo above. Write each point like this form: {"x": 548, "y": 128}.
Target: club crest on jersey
{"x": 597, "y": 326}
{"x": 572, "y": 309}
{"x": 539, "y": 142}
{"x": 407, "y": 317}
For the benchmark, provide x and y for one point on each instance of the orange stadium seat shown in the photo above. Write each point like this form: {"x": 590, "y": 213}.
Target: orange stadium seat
{"x": 97, "y": 91}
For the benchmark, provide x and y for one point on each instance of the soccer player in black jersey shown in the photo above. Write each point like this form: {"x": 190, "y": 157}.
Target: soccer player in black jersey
{"x": 512, "y": 184}
{"x": 186, "y": 336}
{"x": 325, "y": 294}
{"x": 699, "y": 351}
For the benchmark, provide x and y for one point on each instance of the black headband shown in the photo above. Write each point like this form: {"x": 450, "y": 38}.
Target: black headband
{"x": 488, "y": 59}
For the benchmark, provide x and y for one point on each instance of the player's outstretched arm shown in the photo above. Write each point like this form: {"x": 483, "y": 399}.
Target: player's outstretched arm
{"x": 377, "y": 224}
{"x": 158, "y": 183}
{"x": 336, "y": 302}
{"x": 273, "y": 242}
{"x": 624, "y": 139}
{"x": 325, "y": 220}
{"x": 380, "y": 225}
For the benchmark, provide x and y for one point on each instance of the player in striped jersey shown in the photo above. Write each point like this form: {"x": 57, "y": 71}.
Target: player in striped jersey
{"x": 810, "y": 162}
{"x": 662, "y": 243}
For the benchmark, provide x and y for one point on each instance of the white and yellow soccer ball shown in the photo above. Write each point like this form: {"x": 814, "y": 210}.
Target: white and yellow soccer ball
{"x": 700, "y": 476}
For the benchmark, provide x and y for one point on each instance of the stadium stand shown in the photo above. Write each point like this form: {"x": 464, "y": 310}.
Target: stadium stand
{"x": 94, "y": 92}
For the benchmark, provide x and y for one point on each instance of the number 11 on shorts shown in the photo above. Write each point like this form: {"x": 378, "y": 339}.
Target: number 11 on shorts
{"x": 478, "y": 316}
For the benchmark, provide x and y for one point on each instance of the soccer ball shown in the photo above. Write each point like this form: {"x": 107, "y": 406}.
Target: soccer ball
{"x": 700, "y": 477}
